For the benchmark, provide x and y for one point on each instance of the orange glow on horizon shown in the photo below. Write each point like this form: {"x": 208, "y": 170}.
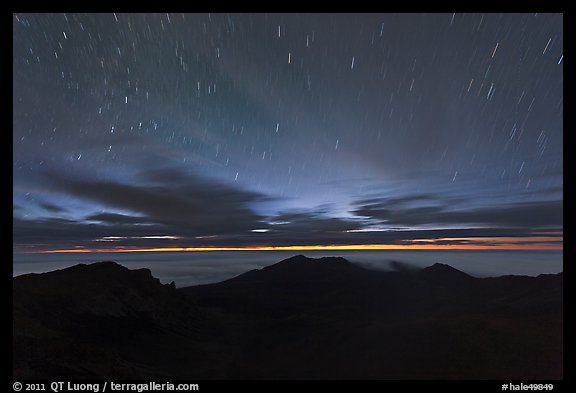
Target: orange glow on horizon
{"x": 540, "y": 243}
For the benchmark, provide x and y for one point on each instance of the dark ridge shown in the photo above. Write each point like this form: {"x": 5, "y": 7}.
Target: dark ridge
{"x": 441, "y": 271}
{"x": 300, "y": 268}
{"x": 302, "y": 263}
{"x": 83, "y": 277}
{"x": 87, "y": 321}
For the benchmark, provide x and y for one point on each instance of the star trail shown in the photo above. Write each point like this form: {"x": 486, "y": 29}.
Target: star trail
{"x": 167, "y": 131}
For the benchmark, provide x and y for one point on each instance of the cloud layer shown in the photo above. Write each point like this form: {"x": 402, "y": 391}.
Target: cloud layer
{"x": 171, "y": 208}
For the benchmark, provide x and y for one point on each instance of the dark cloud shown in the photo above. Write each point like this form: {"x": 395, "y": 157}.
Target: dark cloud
{"x": 51, "y": 207}
{"x": 54, "y": 231}
{"x": 187, "y": 202}
{"x": 307, "y": 222}
{"x": 535, "y": 214}
{"x": 116, "y": 219}
{"x": 58, "y": 233}
{"x": 65, "y": 234}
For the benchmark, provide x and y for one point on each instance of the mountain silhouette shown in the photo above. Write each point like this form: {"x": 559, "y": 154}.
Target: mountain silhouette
{"x": 104, "y": 319}
{"x": 445, "y": 272}
{"x": 301, "y": 318}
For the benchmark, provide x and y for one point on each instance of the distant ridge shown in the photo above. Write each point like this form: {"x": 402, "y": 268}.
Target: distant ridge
{"x": 300, "y": 268}
{"x": 441, "y": 271}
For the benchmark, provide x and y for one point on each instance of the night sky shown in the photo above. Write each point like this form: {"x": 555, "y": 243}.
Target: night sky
{"x": 140, "y": 131}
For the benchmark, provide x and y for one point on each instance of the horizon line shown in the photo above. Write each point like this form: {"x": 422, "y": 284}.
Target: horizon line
{"x": 333, "y": 247}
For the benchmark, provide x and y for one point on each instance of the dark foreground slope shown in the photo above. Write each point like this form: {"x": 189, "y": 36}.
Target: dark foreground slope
{"x": 300, "y": 318}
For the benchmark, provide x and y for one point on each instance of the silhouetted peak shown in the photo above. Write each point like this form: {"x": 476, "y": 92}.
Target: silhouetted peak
{"x": 295, "y": 259}
{"x": 440, "y": 267}
{"x": 301, "y": 262}
{"x": 83, "y": 280}
{"x": 106, "y": 274}
{"x": 102, "y": 288}
{"x": 304, "y": 259}
{"x": 441, "y": 270}
{"x": 108, "y": 267}
{"x": 95, "y": 270}
{"x": 300, "y": 268}
{"x": 105, "y": 265}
